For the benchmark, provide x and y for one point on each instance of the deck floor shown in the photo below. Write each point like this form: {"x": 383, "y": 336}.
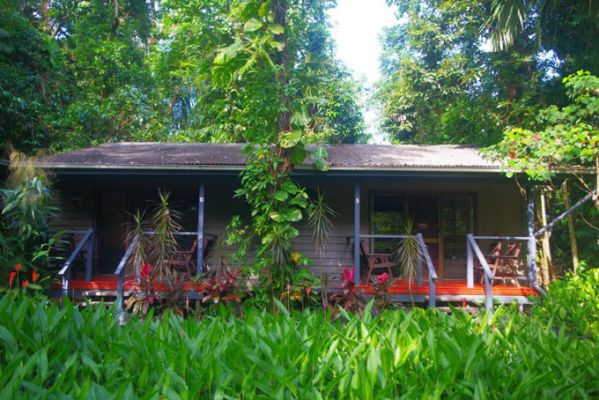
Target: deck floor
{"x": 444, "y": 287}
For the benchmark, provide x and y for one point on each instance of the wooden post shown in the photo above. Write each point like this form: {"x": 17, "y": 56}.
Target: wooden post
{"x": 546, "y": 267}
{"x": 90, "y": 259}
{"x": 469, "y": 265}
{"x": 120, "y": 290}
{"x": 432, "y": 290}
{"x": 488, "y": 294}
{"x": 200, "y": 260}
{"x": 571, "y": 228}
{"x": 532, "y": 240}
{"x": 66, "y": 279}
{"x": 357, "y": 233}
{"x": 420, "y": 272}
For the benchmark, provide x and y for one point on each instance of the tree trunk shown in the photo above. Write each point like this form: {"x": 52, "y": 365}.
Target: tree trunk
{"x": 546, "y": 261}
{"x": 44, "y": 7}
{"x": 282, "y": 60}
{"x": 571, "y": 229}
{"x": 115, "y": 21}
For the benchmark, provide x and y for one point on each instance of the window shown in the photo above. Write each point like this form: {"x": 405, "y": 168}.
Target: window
{"x": 387, "y": 219}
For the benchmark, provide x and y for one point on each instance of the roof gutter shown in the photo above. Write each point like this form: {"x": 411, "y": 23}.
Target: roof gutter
{"x": 215, "y": 168}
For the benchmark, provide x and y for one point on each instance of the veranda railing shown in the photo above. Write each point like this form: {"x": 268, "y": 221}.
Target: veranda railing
{"x": 432, "y": 273}
{"x": 473, "y": 249}
{"x": 66, "y": 270}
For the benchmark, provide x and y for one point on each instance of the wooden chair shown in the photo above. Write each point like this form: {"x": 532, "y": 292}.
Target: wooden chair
{"x": 184, "y": 260}
{"x": 504, "y": 263}
{"x": 375, "y": 261}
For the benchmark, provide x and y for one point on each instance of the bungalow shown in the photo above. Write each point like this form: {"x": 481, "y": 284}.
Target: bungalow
{"x": 461, "y": 206}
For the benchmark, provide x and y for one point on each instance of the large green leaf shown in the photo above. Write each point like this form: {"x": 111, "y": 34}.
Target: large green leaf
{"x": 252, "y": 25}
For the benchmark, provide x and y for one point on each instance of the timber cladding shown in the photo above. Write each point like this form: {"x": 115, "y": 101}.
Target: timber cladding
{"x": 496, "y": 210}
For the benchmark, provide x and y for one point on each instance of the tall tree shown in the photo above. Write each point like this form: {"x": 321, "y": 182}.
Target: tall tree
{"x": 441, "y": 85}
{"x": 570, "y": 28}
{"x": 202, "y": 109}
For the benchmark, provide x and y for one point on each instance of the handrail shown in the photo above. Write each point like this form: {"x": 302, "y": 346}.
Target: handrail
{"x": 511, "y": 238}
{"x": 65, "y": 272}
{"x": 120, "y": 272}
{"x": 432, "y": 274}
{"x": 488, "y": 274}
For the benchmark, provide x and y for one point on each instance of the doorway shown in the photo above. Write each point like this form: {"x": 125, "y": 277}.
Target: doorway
{"x": 444, "y": 219}
{"x": 111, "y": 231}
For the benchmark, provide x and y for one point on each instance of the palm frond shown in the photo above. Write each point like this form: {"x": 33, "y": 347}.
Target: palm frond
{"x": 408, "y": 253}
{"x": 320, "y": 216}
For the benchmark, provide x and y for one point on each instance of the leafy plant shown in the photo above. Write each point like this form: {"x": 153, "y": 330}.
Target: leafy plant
{"x": 27, "y": 207}
{"x": 380, "y": 284}
{"x": 164, "y": 222}
{"x": 156, "y": 244}
{"x": 346, "y": 298}
{"x": 320, "y": 216}
{"x": 567, "y": 138}
{"x": 221, "y": 289}
{"x": 397, "y": 354}
{"x": 143, "y": 295}
{"x": 408, "y": 253}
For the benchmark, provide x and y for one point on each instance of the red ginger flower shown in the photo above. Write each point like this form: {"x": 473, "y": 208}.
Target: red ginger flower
{"x": 18, "y": 267}
{"x": 348, "y": 274}
{"x": 145, "y": 270}
{"x": 11, "y": 277}
{"x": 25, "y": 284}
{"x": 382, "y": 278}
{"x": 35, "y": 276}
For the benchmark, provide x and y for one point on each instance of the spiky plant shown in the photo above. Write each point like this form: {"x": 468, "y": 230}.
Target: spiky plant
{"x": 408, "y": 253}
{"x": 136, "y": 232}
{"x": 165, "y": 222}
{"x": 320, "y": 216}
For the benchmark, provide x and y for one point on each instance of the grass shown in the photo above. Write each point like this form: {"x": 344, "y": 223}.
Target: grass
{"x": 47, "y": 352}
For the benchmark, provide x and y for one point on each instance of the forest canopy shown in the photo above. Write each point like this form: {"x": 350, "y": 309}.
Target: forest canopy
{"x": 78, "y": 73}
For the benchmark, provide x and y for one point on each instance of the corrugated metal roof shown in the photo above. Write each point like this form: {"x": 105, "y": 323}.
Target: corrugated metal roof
{"x": 197, "y": 155}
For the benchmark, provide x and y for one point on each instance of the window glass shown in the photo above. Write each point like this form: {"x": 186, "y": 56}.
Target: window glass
{"x": 387, "y": 219}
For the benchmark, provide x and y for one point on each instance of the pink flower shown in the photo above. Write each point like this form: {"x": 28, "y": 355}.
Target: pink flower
{"x": 382, "y": 278}
{"x": 536, "y": 137}
{"x": 145, "y": 270}
{"x": 308, "y": 290}
{"x": 348, "y": 274}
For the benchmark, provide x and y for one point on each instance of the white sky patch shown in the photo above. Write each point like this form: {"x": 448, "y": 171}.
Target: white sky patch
{"x": 356, "y": 28}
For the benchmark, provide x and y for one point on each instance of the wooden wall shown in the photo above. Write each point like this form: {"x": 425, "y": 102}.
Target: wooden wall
{"x": 499, "y": 209}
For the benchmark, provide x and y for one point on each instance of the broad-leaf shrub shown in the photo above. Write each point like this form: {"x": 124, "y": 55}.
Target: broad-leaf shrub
{"x": 573, "y": 304}
{"x": 46, "y": 352}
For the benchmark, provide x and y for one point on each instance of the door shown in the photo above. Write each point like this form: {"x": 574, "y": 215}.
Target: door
{"x": 457, "y": 216}
{"x": 423, "y": 209}
{"x": 111, "y": 231}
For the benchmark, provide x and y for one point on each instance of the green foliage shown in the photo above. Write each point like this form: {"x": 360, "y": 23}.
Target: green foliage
{"x": 26, "y": 207}
{"x": 408, "y": 253}
{"x": 568, "y": 28}
{"x": 442, "y": 83}
{"x": 78, "y": 73}
{"x": 320, "y": 216}
{"x": 565, "y": 138}
{"x": 50, "y": 352}
{"x": 573, "y": 304}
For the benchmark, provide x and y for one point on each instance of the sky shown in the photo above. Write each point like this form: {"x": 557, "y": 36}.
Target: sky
{"x": 356, "y": 27}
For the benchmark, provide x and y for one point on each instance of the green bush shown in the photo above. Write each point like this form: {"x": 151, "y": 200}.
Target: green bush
{"x": 573, "y": 304}
{"x": 47, "y": 352}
